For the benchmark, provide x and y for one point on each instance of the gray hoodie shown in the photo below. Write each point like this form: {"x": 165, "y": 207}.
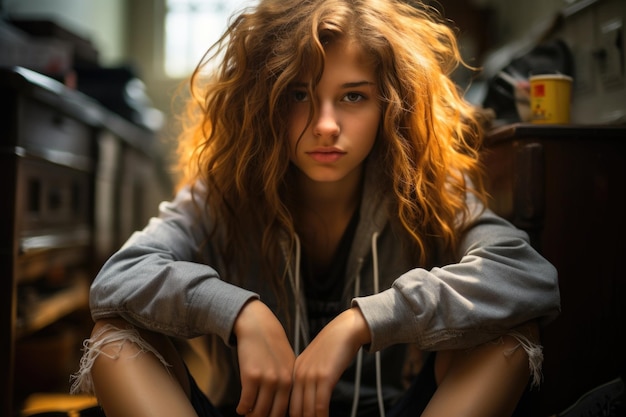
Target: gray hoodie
{"x": 494, "y": 283}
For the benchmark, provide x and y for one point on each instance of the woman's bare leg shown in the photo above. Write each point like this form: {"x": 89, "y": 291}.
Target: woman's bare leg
{"x": 484, "y": 381}
{"x": 130, "y": 380}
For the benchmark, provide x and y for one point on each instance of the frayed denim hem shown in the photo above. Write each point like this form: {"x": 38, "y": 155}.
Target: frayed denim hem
{"x": 109, "y": 335}
{"x": 535, "y": 356}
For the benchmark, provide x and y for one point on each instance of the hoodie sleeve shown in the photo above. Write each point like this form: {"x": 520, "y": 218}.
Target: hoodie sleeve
{"x": 498, "y": 283}
{"x": 153, "y": 282}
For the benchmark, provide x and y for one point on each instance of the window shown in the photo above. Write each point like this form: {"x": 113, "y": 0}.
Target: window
{"x": 191, "y": 27}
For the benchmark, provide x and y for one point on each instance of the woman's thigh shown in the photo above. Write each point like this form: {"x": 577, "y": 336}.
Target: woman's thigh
{"x": 134, "y": 372}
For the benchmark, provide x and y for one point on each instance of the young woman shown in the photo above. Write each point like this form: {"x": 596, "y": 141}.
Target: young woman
{"x": 331, "y": 220}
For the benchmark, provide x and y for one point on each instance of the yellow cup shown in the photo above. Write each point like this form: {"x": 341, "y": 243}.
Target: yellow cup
{"x": 550, "y": 98}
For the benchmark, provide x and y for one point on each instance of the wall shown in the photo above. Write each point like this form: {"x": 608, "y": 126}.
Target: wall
{"x": 596, "y": 37}
{"x": 514, "y": 19}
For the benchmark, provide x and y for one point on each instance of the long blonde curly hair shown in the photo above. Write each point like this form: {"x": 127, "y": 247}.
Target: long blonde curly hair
{"x": 235, "y": 142}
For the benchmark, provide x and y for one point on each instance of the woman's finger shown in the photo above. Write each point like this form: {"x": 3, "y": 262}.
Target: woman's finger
{"x": 309, "y": 403}
{"x": 281, "y": 401}
{"x": 249, "y": 391}
{"x": 295, "y": 400}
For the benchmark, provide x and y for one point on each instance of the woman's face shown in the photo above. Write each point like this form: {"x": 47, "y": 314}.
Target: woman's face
{"x": 345, "y": 125}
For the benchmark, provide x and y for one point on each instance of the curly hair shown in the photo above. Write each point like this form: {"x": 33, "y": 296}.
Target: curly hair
{"x": 235, "y": 139}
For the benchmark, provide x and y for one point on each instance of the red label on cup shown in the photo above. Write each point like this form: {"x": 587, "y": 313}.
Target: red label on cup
{"x": 539, "y": 90}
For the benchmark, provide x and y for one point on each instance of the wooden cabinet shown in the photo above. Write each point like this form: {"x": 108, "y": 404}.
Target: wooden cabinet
{"x": 566, "y": 186}
{"x": 66, "y": 165}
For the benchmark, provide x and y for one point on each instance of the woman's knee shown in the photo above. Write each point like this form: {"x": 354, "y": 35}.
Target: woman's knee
{"x": 118, "y": 338}
{"x": 489, "y": 379}
{"x": 520, "y": 346}
{"x": 114, "y": 341}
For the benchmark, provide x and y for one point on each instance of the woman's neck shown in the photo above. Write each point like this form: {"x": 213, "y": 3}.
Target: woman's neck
{"x": 328, "y": 199}
{"x": 322, "y": 212}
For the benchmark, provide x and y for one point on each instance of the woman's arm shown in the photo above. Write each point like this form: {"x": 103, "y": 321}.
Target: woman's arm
{"x": 154, "y": 282}
{"x": 497, "y": 282}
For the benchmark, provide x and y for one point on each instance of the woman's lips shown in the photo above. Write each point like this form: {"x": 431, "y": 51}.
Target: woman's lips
{"x": 326, "y": 155}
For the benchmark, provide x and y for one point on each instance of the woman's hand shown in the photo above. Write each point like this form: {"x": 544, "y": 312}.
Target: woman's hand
{"x": 321, "y": 364}
{"x": 266, "y": 362}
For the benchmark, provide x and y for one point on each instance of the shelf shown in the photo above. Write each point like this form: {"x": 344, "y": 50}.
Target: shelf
{"x": 53, "y": 306}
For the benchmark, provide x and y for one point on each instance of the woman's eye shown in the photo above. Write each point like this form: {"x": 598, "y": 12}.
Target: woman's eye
{"x": 353, "y": 97}
{"x": 298, "y": 95}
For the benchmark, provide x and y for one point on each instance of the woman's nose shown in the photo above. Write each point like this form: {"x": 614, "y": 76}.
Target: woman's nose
{"x": 326, "y": 123}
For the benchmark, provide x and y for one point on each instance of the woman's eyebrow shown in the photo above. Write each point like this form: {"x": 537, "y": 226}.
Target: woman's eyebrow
{"x": 354, "y": 84}
{"x": 357, "y": 84}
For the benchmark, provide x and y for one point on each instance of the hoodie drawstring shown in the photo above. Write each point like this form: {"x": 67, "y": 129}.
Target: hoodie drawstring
{"x": 359, "y": 356}
{"x": 359, "y": 359}
{"x": 379, "y": 384}
{"x": 300, "y": 331}
{"x": 298, "y": 318}
{"x": 299, "y": 324}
